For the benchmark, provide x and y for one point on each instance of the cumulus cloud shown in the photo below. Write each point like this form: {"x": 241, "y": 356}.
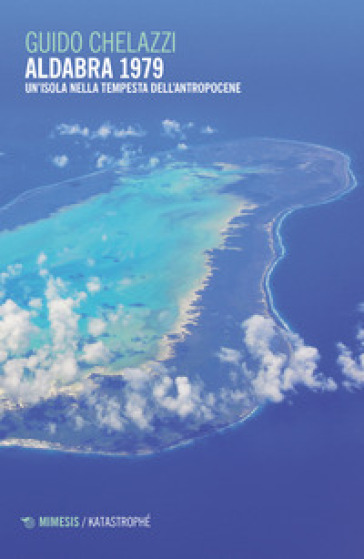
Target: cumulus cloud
{"x": 33, "y": 372}
{"x": 29, "y": 379}
{"x": 129, "y": 132}
{"x": 128, "y": 155}
{"x": 15, "y": 329}
{"x": 138, "y": 411}
{"x": 103, "y": 132}
{"x": 276, "y": 373}
{"x": 11, "y": 271}
{"x": 149, "y": 395}
{"x": 60, "y": 161}
{"x": 96, "y": 353}
{"x": 184, "y": 401}
{"x": 64, "y": 367}
{"x": 72, "y": 130}
{"x": 107, "y": 130}
{"x": 34, "y": 363}
{"x": 228, "y": 355}
{"x": 302, "y": 368}
{"x": 62, "y": 316}
{"x": 36, "y": 303}
{"x": 96, "y": 326}
{"x": 94, "y": 284}
{"x": 108, "y": 412}
{"x": 352, "y": 362}
{"x": 171, "y": 128}
{"x": 42, "y": 259}
{"x": 179, "y": 131}
{"x": 114, "y": 316}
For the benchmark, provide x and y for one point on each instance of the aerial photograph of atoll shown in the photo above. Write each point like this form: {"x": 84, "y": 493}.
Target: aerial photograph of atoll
{"x": 181, "y": 279}
{"x": 135, "y": 310}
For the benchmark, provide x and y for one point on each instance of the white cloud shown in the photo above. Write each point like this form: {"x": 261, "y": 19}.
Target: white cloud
{"x": 171, "y": 128}
{"x": 42, "y": 258}
{"x": 352, "y": 363}
{"x": 228, "y": 355}
{"x": 15, "y": 328}
{"x": 153, "y": 162}
{"x": 302, "y": 368}
{"x": 62, "y": 316}
{"x": 72, "y": 130}
{"x": 185, "y": 401}
{"x": 182, "y": 146}
{"x": 36, "y": 303}
{"x": 103, "y": 132}
{"x": 93, "y": 285}
{"x": 65, "y": 367}
{"x": 128, "y": 154}
{"x": 103, "y": 161}
{"x": 30, "y": 374}
{"x": 148, "y": 395}
{"x": 12, "y": 270}
{"x": 108, "y": 412}
{"x": 79, "y": 422}
{"x": 96, "y": 353}
{"x": 276, "y": 372}
{"x": 117, "y": 314}
{"x": 96, "y": 326}
{"x": 60, "y": 161}
{"x": 208, "y": 130}
{"x": 27, "y": 380}
{"x": 136, "y": 409}
{"x": 129, "y": 132}
{"x": 177, "y": 395}
{"x": 52, "y": 428}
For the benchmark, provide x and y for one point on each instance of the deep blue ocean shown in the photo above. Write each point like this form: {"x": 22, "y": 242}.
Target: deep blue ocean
{"x": 288, "y": 483}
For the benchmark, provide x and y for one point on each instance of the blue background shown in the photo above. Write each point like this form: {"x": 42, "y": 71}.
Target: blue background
{"x": 290, "y": 482}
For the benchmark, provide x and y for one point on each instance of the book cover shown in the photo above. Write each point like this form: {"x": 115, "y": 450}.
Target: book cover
{"x": 181, "y": 295}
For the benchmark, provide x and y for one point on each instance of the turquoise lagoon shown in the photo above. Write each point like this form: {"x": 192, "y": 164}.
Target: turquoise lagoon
{"x": 138, "y": 252}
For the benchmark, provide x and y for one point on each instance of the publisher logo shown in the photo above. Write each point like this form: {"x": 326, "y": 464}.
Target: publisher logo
{"x": 29, "y": 522}
{"x": 84, "y": 522}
